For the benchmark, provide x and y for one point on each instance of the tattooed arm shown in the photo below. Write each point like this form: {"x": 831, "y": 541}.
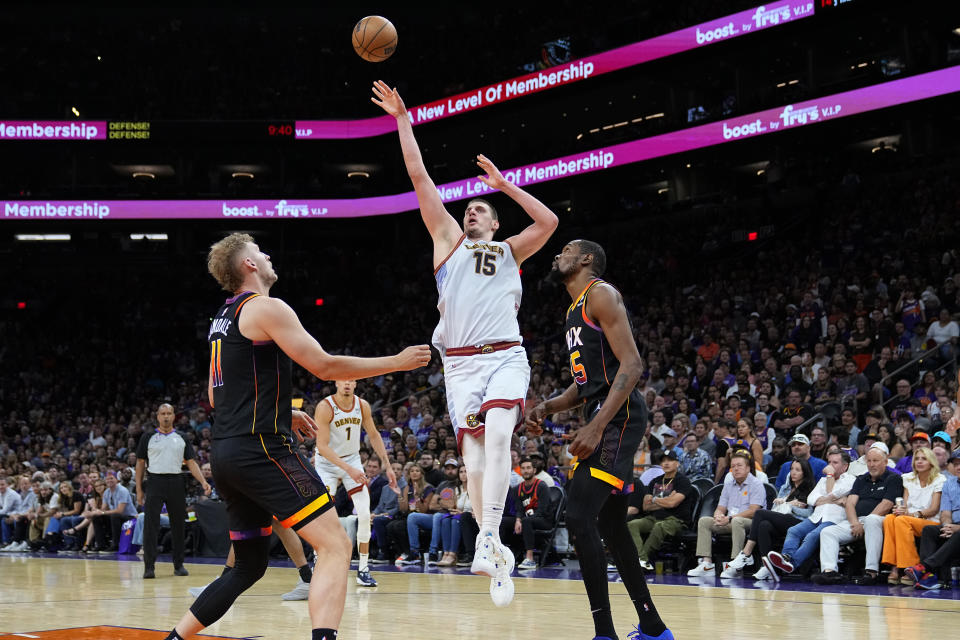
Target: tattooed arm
{"x": 605, "y": 307}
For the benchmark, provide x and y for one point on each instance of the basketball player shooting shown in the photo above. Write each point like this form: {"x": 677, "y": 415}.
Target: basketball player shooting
{"x": 606, "y": 368}
{"x": 339, "y": 418}
{"x": 485, "y": 369}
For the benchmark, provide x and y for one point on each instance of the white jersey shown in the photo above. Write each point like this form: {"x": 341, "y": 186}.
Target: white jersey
{"x": 480, "y": 289}
{"x": 345, "y": 427}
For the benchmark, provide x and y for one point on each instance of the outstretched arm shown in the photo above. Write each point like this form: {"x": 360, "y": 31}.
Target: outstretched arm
{"x": 606, "y": 307}
{"x": 266, "y": 318}
{"x": 530, "y": 240}
{"x": 442, "y": 226}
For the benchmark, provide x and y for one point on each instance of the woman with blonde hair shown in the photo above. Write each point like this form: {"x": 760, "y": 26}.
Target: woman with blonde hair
{"x": 920, "y": 506}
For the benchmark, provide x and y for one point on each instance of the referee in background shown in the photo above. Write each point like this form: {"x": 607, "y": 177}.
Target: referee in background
{"x": 163, "y": 453}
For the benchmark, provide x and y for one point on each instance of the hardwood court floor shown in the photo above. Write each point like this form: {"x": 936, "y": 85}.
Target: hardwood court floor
{"x": 45, "y": 594}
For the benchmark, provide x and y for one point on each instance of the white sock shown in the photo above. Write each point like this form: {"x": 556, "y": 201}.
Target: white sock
{"x": 363, "y": 561}
{"x": 498, "y": 430}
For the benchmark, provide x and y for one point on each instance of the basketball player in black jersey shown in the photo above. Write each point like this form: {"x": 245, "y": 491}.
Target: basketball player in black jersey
{"x": 606, "y": 368}
{"x": 256, "y": 465}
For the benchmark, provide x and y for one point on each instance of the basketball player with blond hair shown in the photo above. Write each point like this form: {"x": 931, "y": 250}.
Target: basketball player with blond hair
{"x": 485, "y": 369}
{"x": 254, "y": 340}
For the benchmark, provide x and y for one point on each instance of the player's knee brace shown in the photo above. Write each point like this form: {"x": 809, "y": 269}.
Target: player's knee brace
{"x": 252, "y": 558}
{"x": 361, "y": 500}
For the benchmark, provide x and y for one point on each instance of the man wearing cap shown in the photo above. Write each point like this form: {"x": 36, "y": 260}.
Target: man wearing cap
{"x": 443, "y": 499}
{"x": 917, "y": 439}
{"x": 667, "y": 503}
{"x": 871, "y": 498}
{"x": 800, "y": 449}
{"x": 940, "y": 544}
{"x": 533, "y": 511}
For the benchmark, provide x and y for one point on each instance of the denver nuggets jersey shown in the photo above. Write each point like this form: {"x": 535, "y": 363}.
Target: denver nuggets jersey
{"x": 345, "y": 427}
{"x": 480, "y": 289}
{"x": 251, "y": 380}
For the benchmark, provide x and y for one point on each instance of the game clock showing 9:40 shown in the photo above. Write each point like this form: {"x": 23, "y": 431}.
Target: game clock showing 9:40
{"x": 280, "y": 130}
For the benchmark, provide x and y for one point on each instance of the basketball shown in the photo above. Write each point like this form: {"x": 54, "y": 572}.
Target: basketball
{"x": 374, "y": 38}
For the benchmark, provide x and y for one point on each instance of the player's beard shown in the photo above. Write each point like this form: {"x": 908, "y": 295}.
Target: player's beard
{"x": 555, "y": 276}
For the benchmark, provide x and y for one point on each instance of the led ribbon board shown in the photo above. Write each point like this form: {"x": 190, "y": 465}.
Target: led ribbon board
{"x": 719, "y": 30}
{"x": 785, "y": 118}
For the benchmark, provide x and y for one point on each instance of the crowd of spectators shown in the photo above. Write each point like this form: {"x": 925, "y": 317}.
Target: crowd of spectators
{"x": 741, "y": 351}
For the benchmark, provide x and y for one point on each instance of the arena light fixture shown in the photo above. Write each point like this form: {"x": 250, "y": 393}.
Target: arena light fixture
{"x": 74, "y": 111}
{"x": 654, "y": 115}
{"x": 149, "y": 236}
{"x": 358, "y": 174}
{"x": 249, "y": 175}
{"x": 147, "y": 175}
{"x": 43, "y": 237}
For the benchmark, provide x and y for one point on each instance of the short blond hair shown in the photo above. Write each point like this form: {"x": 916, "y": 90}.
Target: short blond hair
{"x": 222, "y": 260}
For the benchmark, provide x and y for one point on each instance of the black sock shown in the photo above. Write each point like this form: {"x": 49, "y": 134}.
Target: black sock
{"x": 226, "y": 570}
{"x": 650, "y": 621}
{"x": 603, "y": 624}
{"x": 306, "y": 574}
{"x": 324, "y": 634}
{"x": 174, "y": 636}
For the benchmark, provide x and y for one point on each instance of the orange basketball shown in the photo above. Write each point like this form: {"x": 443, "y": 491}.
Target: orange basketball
{"x": 374, "y": 38}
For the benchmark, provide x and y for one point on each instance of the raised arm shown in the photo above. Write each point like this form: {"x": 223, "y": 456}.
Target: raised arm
{"x": 606, "y": 307}
{"x": 443, "y": 228}
{"x": 530, "y": 240}
{"x": 266, "y": 318}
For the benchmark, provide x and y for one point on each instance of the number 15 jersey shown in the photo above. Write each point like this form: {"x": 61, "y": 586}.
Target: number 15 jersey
{"x": 480, "y": 289}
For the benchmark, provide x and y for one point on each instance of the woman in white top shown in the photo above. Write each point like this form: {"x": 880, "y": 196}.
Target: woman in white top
{"x": 922, "y": 489}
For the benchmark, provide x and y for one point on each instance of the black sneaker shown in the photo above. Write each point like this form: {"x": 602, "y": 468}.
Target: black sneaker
{"x": 180, "y": 571}
{"x": 867, "y": 580}
{"x": 379, "y": 559}
{"x": 411, "y": 557}
{"x": 464, "y": 560}
{"x": 148, "y": 573}
{"x": 433, "y": 558}
{"x": 829, "y": 577}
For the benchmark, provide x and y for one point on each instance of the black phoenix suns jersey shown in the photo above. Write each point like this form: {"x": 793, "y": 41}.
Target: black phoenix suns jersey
{"x": 592, "y": 363}
{"x": 252, "y": 385}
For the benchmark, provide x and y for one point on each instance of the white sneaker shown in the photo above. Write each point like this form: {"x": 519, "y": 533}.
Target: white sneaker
{"x": 646, "y": 565}
{"x": 10, "y": 547}
{"x": 483, "y": 557}
{"x": 196, "y": 591}
{"x": 501, "y": 585}
{"x": 742, "y": 560}
{"x": 763, "y": 574}
{"x": 729, "y": 571}
{"x": 23, "y": 546}
{"x": 300, "y": 592}
{"x": 703, "y": 568}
